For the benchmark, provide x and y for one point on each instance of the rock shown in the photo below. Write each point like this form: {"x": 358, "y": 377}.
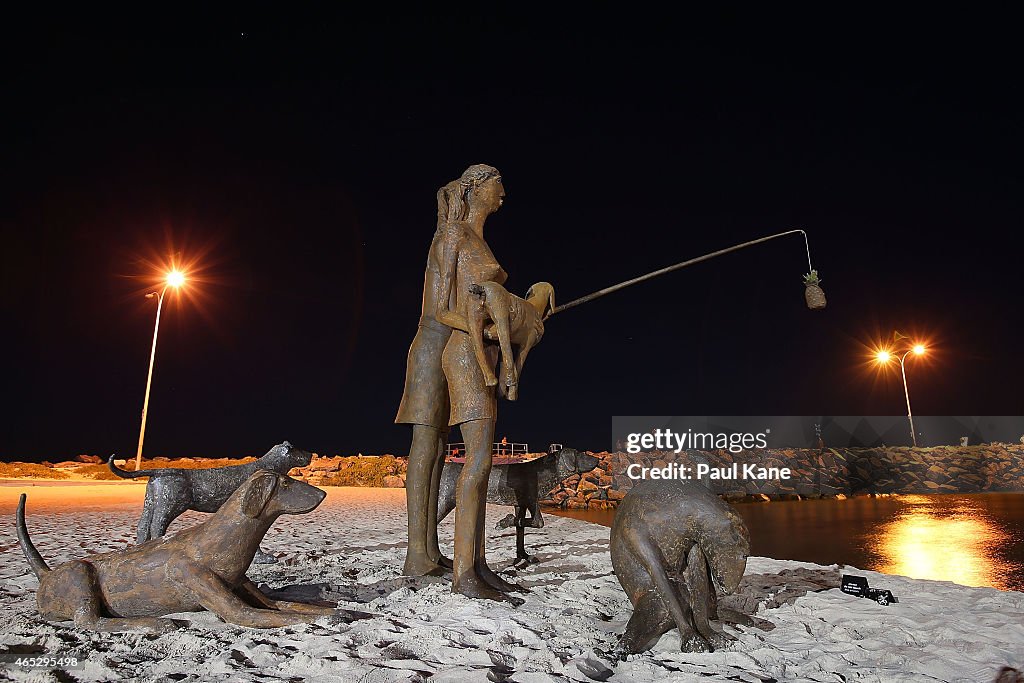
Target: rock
{"x": 615, "y": 494}
{"x": 394, "y": 482}
{"x": 586, "y": 486}
{"x": 91, "y": 459}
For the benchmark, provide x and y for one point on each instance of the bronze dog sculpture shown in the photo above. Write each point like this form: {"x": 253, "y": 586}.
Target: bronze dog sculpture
{"x": 171, "y": 491}
{"x": 521, "y": 485}
{"x": 672, "y": 542}
{"x": 514, "y": 321}
{"x": 200, "y": 568}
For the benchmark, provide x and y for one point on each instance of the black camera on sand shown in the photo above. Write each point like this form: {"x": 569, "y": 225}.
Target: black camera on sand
{"x": 858, "y": 585}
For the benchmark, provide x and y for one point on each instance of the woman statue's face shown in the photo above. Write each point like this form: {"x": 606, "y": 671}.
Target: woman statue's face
{"x": 488, "y": 195}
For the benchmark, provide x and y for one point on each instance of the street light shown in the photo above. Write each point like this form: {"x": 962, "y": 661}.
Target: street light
{"x": 884, "y": 356}
{"x": 174, "y": 279}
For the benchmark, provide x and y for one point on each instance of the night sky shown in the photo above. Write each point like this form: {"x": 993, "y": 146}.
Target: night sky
{"x": 294, "y": 163}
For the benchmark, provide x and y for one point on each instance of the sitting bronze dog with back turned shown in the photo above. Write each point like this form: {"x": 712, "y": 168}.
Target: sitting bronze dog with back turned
{"x": 200, "y": 568}
{"x": 672, "y": 542}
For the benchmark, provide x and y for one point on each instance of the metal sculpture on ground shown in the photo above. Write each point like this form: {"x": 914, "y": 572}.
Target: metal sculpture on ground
{"x": 171, "y": 491}
{"x": 672, "y": 543}
{"x": 200, "y": 568}
{"x": 521, "y": 485}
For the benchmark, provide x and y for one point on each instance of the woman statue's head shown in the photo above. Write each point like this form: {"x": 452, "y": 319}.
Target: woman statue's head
{"x": 454, "y": 199}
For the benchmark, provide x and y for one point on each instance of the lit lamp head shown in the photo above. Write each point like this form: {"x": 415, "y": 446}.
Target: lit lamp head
{"x": 883, "y": 357}
{"x": 175, "y": 278}
{"x": 919, "y": 349}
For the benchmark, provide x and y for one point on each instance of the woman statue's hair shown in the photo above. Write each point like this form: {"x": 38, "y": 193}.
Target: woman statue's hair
{"x": 453, "y": 198}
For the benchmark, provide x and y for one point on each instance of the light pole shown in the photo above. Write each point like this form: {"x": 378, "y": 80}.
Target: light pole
{"x": 884, "y": 356}
{"x": 174, "y": 279}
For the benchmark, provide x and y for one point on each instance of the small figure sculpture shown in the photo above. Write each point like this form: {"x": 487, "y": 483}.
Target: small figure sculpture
{"x": 521, "y": 485}
{"x": 200, "y": 568}
{"x": 171, "y": 491}
{"x": 514, "y": 321}
{"x": 672, "y": 542}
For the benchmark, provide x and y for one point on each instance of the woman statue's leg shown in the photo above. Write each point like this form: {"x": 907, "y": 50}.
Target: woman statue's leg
{"x": 433, "y": 550}
{"x": 485, "y": 572}
{"x": 470, "y": 499}
{"x": 421, "y": 501}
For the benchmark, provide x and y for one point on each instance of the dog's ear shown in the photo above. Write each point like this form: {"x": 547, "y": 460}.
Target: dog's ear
{"x": 260, "y": 489}
{"x": 551, "y": 300}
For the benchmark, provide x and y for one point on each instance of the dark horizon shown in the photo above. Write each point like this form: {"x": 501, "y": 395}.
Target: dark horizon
{"x": 300, "y": 163}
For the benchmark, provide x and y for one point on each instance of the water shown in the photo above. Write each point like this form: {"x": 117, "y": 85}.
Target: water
{"x": 971, "y": 539}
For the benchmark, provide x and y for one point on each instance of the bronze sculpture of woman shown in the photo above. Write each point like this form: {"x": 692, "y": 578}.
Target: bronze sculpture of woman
{"x": 425, "y": 406}
{"x": 459, "y": 257}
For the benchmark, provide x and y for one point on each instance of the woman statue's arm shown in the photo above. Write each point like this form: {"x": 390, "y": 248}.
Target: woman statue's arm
{"x": 450, "y": 245}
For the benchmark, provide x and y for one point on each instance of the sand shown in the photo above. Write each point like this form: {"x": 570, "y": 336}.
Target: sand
{"x": 352, "y": 547}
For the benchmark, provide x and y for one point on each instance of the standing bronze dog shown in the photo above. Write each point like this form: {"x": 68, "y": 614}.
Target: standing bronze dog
{"x": 521, "y": 485}
{"x": 171, "y": 491}
{"x": 200, "y": 568}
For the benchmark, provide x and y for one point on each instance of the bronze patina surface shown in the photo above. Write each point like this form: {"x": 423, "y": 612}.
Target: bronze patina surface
{"x": 672, "y": 543}
{"x": 513, "y": 321}
{"x": 459, "y": 260}
{"x": 171, "y": 491}
{"x": 200, "y": 568}
{"x": 521, "y": 485}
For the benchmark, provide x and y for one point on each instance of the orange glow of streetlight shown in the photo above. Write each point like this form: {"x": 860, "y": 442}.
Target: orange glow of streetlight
{"x": 175, "y": 278}
{"x": 919, "y": 349}
{"x": 883, "y": 356}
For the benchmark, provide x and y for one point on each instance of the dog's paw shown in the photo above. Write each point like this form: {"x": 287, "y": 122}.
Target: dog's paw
{"x": 695, "y": 643}
{"x": 505, "y": 522}
{"x": 158, "y": 626}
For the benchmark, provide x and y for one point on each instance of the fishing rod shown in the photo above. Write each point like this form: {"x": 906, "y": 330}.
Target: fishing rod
{"x": 813, "y": 293}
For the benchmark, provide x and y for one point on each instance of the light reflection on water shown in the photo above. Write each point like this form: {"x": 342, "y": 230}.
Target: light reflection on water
{"x": 971, "y": 539}
{"x": 949, "y": 542}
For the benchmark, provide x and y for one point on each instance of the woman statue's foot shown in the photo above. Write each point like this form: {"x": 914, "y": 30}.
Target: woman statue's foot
{"x": 421, "y": 566}
{"x": 472, "y": 586}
{"x": 495, "y": 581}
{"x": 445, "y": 562}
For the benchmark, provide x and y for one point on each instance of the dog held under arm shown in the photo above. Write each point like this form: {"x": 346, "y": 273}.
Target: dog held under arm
{"x": 200, "y": 568}
{"x": 515, "y": 321}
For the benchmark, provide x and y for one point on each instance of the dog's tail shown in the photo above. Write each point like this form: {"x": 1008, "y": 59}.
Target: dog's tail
{"x": 35, "y": 560}
{"x": 125, "y": 474}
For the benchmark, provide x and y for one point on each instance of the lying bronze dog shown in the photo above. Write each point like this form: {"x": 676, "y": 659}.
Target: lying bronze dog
{"x": 202, "y": 567}
{"x": 672, "y": 542}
